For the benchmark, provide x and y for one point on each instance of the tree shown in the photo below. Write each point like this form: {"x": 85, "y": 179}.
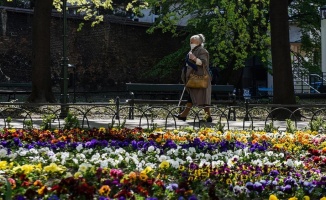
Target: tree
{"x": 41, "y": 73}
{"x": 305, "y": 13}
{"x": 235, "y": 31}
{"x": 281, "y": 60}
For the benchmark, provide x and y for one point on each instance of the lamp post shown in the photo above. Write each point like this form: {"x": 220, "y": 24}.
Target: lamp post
{"x": 323, "y": 38}
{"x": 64, "y": 70}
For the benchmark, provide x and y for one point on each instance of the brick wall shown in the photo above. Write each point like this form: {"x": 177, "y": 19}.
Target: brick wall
{"x": 106, "y": 55}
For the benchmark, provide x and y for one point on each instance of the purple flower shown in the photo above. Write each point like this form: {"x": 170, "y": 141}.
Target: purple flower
{"x": 249, "y": 185}
{"x": 20, "y": 197}
{"x": 287, "y": 189}
{"x": 258, "y": 187}
{"x": 274, "y": 173}
{"x": 172, "y": 186}
{"x": 192, "y": 197}
{"x": 91, "y": 144}
{"x": 103, "y": 198}
{"x": 151, "y": 198}
{"x": 193, "y": 166}
{"x": 169, "y": 144}
{"x": 54, "y": 197}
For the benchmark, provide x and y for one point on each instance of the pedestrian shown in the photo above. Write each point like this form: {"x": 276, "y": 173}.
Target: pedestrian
{"x": 197, "y": 61}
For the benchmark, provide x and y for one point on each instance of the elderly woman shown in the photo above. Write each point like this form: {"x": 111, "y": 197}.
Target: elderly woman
{"x": 197, "y": 61}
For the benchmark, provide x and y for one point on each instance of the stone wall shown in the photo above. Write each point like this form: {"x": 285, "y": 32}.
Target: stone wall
{"x": 105, "y": 56}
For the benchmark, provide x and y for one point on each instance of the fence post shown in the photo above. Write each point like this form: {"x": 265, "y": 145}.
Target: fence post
{"x": 131, "y": 109}
{"x": 117, "y": 104}
{"x": 247, "y": 110}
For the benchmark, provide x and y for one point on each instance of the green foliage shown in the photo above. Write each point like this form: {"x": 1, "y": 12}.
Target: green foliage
{"x": 235, "y": 30}
{"x": 219, "y": 126}
{"x": 290, "y": 127}
{"x": 305, "y": 13}
{"x": 119, "y": 126}
{"x": 169, "y": 65}
{"x": 8, "y": 121}
{"x": 28, "y": 124}
{"x": 317, "y": 125}
{"x": 270, "y": 127}
{"x": 46, "y": 121}
{"x": 71, "y": 121}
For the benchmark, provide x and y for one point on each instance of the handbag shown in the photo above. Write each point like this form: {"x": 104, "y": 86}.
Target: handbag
{"x": 198, "y": 81}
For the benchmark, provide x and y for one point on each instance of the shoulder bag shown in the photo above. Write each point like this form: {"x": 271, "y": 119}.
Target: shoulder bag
{"x": 198, "y": 81}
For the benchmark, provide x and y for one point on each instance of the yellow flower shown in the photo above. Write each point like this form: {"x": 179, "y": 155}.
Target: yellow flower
{"x": 102, "y": 129}
{"x": 143, "y": 176}
{"x": 273, "y": 197}
{"x": 306, "y": 198}
{"x": 26, "y": 169}
{"x": 53, "y": 168}
{"x": 164, "y": 164}
{"x": 105, "y": 190}
{"x": 324, "y": 198}
{"x": 41, "y": 190}
{"x": 147, "y": 170}
{"x": 228, "y": 181}
{"x": 3, "y": 165}
{"x": 293, "y": 198}
{"x": 78, "y": 174}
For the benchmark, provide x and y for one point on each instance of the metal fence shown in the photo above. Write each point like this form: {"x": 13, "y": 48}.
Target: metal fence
{"x": 121, "y": 114}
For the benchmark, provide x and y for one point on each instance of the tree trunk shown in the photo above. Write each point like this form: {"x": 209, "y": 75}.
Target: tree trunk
{"x": 281, "y": 59}
{"x": 41, "y": 57}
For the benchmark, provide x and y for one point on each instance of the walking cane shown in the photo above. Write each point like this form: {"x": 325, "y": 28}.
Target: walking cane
{"x": 184, "y": 88}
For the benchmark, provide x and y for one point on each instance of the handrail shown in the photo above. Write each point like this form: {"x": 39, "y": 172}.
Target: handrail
{"x": 307, "y": 84}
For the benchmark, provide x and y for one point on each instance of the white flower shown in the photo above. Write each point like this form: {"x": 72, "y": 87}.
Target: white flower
{"x": 216, "y": 164}
{"x": 298, "y": 163}
{"x": 151, "y": 149}
{"x": 95, "y": 157}
{"x": 12, "y": 156}
{"x": 33, "y": 151}
{"x": 22, "y": 152}
{"x": 75, "y": 161}
{"x": 120, "y": 151}
{"x": 84, "y": 166}
{"x": 3, "y": 153}
{"x": 162, "y": 158}
{"x": 189, "y": 159}
{"x": 79, "y": 147}
{"x": 257, "y": 162}
{"x": 289, "y": 163}
{"x": 269, "y": 153}
{"x": 192, "y": 150}
{"x": 208, "y": 156}
{"x": 104, "y": 163}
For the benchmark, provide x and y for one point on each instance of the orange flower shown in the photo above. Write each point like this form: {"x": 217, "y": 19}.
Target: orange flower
{"x": 42, "y": 190}
{"x": 132, "y": 176}
{"x": 105, "y": 190}
{"x": 37, "y": 183}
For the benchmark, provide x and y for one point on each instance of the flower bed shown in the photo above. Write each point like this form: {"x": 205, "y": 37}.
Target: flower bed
{"x": 134, "y": 164}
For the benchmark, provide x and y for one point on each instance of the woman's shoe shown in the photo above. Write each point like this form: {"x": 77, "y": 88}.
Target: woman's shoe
{"x": 208, "y": 119}
{"x": 180, "y": 118}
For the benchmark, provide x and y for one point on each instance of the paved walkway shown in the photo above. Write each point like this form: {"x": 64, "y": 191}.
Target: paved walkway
{"x": 169, "y": 124}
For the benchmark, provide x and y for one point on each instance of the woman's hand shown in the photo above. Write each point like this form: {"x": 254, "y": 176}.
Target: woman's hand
{"x": 192, "y": 57}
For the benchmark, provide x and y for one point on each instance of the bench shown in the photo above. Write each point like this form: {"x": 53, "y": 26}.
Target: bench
{"x": 11, "y": 89}
{"x": 221, "y": 94}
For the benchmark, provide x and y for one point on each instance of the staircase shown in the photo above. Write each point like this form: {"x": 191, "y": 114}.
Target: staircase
{"x": 305, "y": 83}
